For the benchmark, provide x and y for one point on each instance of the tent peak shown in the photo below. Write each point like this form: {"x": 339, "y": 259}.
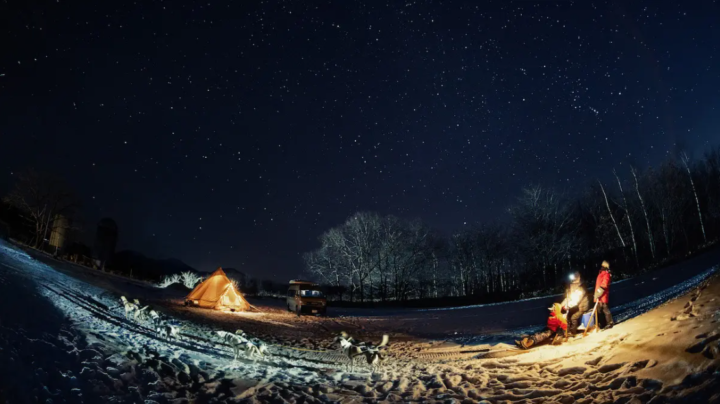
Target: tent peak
{"x": 218, "y": 271}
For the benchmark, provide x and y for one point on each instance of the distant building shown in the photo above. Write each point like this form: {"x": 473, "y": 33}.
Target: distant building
{"x": 105, "y": 242}
{"x": 58, "y": 235}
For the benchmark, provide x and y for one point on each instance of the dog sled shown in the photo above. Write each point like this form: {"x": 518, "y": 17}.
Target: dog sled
{"x": 556, "y": 331}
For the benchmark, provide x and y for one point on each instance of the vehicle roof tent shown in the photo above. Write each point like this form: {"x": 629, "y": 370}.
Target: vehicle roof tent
{"x": 217, "y": 292}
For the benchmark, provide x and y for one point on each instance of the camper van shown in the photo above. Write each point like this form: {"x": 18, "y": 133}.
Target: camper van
{"x": 305, "y": 296}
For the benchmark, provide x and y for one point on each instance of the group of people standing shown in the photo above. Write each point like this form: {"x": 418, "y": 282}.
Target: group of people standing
{"x": 566, "y": 317}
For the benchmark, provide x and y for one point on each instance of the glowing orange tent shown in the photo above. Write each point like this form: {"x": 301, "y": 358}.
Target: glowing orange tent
{"x": 217, "y": 292}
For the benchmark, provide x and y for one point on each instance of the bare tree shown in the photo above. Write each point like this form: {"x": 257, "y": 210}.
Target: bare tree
{"x": 375, "y": 256}
{"x": 411, "y": 258}
{"x": 350, "y": 252}
{"x": 712, "y": 183}
{"x": 686, "y": 160}
{"x": 628, "y": 216}
{"x": 330, "y": 262}
{"x": 389, "y": 258}
{"x": 41, "y": 197}
{"x": 612, "y": 217}
{"x": 670, "y": 191}
{"x": 462, "y": 261}
{"x": 190, "y": 279}
{"x": 645, "y": 213}
{"x": 169, "y": 280}
{"x": 361, "y": 233}
{"x": 598, "y": 232}
{"x": 490, "y": 255}
{"x": 435, "y": 275}
{"x": 389, "y": 272}
{"x": 543, "y": 230}
{"x": 325, "y": 263}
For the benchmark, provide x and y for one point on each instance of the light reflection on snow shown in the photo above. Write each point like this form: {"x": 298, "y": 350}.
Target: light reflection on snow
{"x": 620, "y": 313}
{"x": 245, "y": 313}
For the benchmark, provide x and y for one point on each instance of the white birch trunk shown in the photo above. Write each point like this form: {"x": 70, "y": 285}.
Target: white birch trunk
{"x": 685, "y": 161}
{"x": 647, "y": 220}
{"x": 627, "y": 215}
{"x": 612, "y": 217}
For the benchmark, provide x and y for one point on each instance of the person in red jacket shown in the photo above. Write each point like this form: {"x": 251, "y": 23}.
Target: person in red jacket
{"x": 554, "y": 332}
{"x": 602, "y": 294}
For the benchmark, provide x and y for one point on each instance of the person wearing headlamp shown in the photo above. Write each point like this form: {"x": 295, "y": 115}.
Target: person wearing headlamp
{"x": 576, "y": 302}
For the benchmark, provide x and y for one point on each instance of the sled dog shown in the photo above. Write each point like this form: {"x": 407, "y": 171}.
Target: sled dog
{"x": 167, "y": 330}
{"x": 239, "y": 342}
{"x": 236, "y": 341}
{"x": 256, "y": 348}
{"x": 352, "y": 349}
{"x": 129, "y": 307}
{"x": 348, "y": 348}
{"x": 141, "y": 314}
{"x": 154, "y": 318}
{"x": 134, "y": 308}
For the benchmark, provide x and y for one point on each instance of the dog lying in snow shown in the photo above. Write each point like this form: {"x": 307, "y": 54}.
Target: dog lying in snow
{"x": 239, "y": 341}
{"x": 134, "y": 308}
{"x": 141, "y": 314}
{"x": 352, "y": 349}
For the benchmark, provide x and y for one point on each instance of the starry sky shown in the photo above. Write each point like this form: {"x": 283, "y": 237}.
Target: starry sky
{"x": 234, "y": 133}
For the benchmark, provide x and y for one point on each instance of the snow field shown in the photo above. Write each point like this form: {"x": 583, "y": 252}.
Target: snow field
{"x": 69, "y": 341}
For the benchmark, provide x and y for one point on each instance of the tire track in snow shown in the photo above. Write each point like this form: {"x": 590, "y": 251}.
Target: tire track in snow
{"x": 102, "y": 312}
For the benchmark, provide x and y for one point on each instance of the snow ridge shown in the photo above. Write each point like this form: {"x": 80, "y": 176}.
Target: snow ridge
{"x": 640, "y": 306}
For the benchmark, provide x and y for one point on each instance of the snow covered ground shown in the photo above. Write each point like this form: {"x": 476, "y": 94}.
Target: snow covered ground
{"x": 64, "y": 338}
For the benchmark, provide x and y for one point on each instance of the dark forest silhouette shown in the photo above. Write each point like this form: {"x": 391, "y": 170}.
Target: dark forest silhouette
{"x": 639, "y": 221}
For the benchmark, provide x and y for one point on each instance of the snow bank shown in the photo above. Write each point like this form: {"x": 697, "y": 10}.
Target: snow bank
{"x": 640, "y": 306}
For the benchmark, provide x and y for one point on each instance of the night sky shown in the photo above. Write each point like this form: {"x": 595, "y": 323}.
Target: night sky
{"x": 233, "y": 134}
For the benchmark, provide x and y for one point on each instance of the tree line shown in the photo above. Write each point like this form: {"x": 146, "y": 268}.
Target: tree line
{"x": 638, "y": 221}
